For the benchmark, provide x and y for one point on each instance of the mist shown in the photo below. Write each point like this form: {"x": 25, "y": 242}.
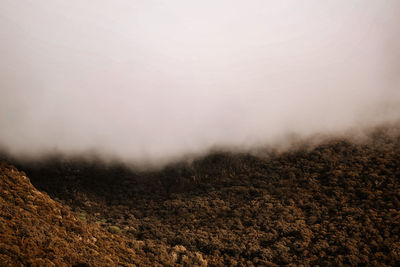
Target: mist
{"x": 149, "y": 82}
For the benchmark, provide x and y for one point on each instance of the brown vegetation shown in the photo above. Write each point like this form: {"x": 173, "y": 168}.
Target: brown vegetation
{"x": 38, "y": 231}
{"x": 335, "y": 204}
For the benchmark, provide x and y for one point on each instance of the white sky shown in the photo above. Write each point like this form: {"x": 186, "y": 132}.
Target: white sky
{"x": 147, "y": 81}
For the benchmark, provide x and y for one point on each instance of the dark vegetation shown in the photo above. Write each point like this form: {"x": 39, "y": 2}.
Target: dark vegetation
{"x": 334, "y": 204}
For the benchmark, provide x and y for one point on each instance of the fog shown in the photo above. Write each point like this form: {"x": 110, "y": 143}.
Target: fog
{"x": 148, "y": 82}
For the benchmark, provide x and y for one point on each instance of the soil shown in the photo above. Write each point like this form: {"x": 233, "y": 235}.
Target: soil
{"x": 335, "y": 204}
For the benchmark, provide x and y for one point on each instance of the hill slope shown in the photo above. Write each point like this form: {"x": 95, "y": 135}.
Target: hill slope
{"x": 38, "y": 231}
{"x": 334, "y": 204}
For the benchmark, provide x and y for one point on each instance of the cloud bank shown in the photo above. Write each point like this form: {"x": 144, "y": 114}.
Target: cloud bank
{"x": 151, "y": 81}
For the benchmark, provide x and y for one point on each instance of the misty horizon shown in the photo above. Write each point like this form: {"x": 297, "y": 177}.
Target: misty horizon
{"x": 150, "y": 82}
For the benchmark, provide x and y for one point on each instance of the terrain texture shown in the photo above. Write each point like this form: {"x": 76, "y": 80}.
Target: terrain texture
{"x": 335, "y": 204}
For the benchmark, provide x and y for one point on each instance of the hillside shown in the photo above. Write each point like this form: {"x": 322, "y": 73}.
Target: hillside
{"x": 334, "y": 204}
{"x": 38, "y": 231}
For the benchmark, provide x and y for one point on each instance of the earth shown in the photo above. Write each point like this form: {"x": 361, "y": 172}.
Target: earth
{"x": 332, "y": 204}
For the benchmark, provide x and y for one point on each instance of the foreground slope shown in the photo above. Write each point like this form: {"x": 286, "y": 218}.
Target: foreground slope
{"x": 38, "y": 231}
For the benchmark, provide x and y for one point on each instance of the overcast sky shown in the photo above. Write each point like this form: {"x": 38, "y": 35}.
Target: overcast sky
{"x": 150, "y": 81}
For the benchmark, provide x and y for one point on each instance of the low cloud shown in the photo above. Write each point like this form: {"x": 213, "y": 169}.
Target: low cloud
{"x": 147, "y": 82}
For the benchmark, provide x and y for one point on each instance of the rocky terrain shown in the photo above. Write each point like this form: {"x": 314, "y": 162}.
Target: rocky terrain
{"x": 335, "y": 204}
